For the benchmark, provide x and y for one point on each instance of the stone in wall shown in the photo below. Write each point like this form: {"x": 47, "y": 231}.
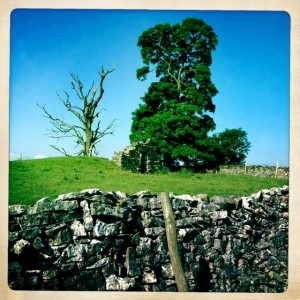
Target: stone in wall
{"x": 87, "y": 241}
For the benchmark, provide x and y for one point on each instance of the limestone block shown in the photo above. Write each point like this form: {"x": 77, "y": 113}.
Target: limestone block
{"x": 103, "y": 229}
{"x": 21, "y": 246}
{"x": 144, "y": 246}
{"x": 149, "y": 276}
{"x": 115, "y": 283}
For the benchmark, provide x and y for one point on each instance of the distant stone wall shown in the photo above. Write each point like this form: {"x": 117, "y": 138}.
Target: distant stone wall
{"x": 99, "y": 241}
{"x": 264, "y": 171}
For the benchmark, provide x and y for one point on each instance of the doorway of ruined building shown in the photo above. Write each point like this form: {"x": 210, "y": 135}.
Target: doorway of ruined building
{"x": 143, "y": 162}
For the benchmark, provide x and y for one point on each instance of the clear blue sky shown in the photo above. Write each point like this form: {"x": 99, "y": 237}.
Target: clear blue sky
{"x": 250, "y": 70}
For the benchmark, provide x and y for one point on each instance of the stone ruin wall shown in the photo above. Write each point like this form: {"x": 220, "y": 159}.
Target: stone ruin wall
{"x": 139, "y": 157}
{"x": 96, "y": 241}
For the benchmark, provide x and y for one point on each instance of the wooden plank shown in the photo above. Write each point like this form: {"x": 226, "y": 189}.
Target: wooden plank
{"x": 177, "y": 267}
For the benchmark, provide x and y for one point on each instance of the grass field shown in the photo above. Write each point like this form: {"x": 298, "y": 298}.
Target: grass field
{"x": 31, "y": 180}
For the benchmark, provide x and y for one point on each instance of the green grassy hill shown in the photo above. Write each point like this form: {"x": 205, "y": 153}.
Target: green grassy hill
{"x": 31, "y": 180}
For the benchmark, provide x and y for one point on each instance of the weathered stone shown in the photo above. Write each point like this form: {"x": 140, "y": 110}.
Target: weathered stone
{"x": 55, "y": 229}
{"x": 161, "y": 245}
{"x": 199, "y": 239}
{"x": 78, "y": 229}
{"x": 148, "y": 259}
{"x": 121, "y": 195}
{"x": 154, "y": 231}
{"x": 167, "y": 271}
{"x": 13, "y": 236}
{"x": 100, "y": 263}
{"x": 155, "y": 203}
{"x": 188, "y": 221}
{"x": 142, "y": 194}
{"x": 202, "y": 197}
{"x": 114, "y": 283}
{"x": 90, "y": 281}
{"x": 135, "y": 239}
{"x": 64, "y": 236}
{"x": 102, "y": 199}
{"x": 74, "y": 253}
{"x": 157, "y": 213}
{"x": 220, "y": 215}
{"x": 170, "y": 282}
{"x": 149, "y": 276}
{"x": 21, "y": 246}
{"x": 70, "y": 196}
{"x": 262, "y": 244}
{"x": 233, "y": 202}
{"x": 219, "y": 201}
{"x": 50, "y": 274}
{"x": 219, "y": 245}
{"x": 155, "y": 222}
{"x": 144, "y": 246}
{"x": 43, "y": 205}
{"x": 143, "y": 202}
{"x": 103, "y": 229}
{"x": 88, "y": 222}
{"x": 48, "y": 218}
{"x": 109, "y": 269}
{"x": 133, "y": 269}
{"x": 112, "y": 196}
{"x": 145, "y": 214}
{"x": 31, "y": 233}
{"x": 184, "y": 197}
{"x": 99, "y": 209}
{"x": 38, "y": 243}
{"x": 246, "y": 202}
{"x": 198, "y": 211}
{"x": 90, "y": 192}
{"x": 17, "y": 209}
{"x": 65, "y": 205}
{"x": 189, "y": 257}
{"x": 66, "y": 267}
{"x": 183, "y": 232}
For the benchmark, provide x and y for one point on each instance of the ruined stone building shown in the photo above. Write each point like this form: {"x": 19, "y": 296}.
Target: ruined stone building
{"x": 138, "y": 157}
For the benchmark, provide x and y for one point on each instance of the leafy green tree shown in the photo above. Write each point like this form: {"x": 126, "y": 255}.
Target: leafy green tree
{"x": 229, "y": 147}
{"x": 86, "y": 132}
{"x": 175, "y": 111}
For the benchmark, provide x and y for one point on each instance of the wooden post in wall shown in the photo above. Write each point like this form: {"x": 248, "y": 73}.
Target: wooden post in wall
{"x": 171, "y": 233}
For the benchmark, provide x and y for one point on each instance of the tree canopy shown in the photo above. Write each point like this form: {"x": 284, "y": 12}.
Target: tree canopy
{"x": 175, "y": 109}
{"x": 175, "y": 113}
{"x": 229, "y": 147}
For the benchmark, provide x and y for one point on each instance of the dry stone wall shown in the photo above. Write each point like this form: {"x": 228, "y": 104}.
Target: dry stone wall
{"x": 255, "y": 170}
{"x": 99, "y": 241}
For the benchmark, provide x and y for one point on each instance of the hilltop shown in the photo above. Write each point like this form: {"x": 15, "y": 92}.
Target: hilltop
{"x": 31, "y": 180}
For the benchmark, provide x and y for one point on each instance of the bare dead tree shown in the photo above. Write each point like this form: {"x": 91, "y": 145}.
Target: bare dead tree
{"x": 87, "y": 132}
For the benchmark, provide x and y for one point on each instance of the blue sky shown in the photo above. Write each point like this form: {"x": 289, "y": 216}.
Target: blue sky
{"x": 250, "y": 70}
